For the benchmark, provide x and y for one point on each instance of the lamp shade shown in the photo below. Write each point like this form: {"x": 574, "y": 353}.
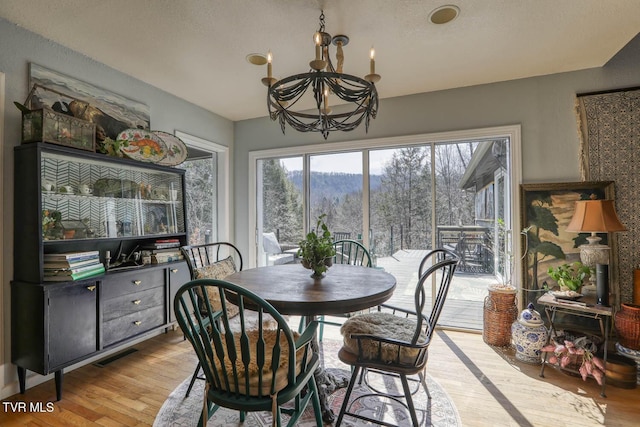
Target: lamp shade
{"x": 595, "y": 216}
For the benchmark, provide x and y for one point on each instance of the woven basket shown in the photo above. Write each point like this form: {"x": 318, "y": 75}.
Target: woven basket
{"x": 627, "y": 323}
{"x": 500, "y": 311}
{"x": 502, "y": 299}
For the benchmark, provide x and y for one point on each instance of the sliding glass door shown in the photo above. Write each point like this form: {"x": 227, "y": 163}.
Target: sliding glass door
{"x": 335, "y": 183}
{"x": 280, "y": 214}
{"x": 400, "y": 201}
{"x": 464, "y": 222}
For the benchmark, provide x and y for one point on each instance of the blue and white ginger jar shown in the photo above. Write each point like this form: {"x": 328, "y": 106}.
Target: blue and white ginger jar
{"x": 529, "y": 335}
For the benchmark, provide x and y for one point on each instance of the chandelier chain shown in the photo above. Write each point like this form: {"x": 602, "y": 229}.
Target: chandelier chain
{"x": 322, "y": 21}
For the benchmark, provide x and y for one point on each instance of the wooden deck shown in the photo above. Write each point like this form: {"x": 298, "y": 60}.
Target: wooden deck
{"x": 464, "y": 304}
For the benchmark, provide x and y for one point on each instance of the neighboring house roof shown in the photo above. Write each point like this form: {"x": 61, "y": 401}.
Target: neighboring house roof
{"x": 488, "y": 157}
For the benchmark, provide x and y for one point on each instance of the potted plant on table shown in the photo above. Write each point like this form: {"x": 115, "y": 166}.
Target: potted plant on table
{"x": 569, "y": 276}
{"x": 316, "y": 250}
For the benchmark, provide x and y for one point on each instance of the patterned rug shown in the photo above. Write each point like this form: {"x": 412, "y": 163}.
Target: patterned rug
{"x": 438, "y": 412}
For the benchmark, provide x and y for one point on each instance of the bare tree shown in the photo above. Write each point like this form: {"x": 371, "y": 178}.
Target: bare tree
{"x": 454, "y": 206}
{"x": 401, "y": 201}
{"x": 200, "y": 195}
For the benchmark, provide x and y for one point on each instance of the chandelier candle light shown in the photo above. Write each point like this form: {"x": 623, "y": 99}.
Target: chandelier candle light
{"x": 359, "y": 94}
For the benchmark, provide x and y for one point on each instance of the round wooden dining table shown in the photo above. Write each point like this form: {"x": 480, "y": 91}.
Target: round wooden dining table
{"x": 292, "y": 291}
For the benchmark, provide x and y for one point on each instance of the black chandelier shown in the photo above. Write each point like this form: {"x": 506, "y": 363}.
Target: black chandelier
{"x": 360, "y": 94}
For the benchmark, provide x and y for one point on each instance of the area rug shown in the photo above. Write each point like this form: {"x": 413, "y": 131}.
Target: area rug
{"x": 438, "y": 412}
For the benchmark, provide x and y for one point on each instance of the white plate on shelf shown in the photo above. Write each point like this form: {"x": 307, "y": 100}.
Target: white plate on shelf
{"x": 176, "y": 149}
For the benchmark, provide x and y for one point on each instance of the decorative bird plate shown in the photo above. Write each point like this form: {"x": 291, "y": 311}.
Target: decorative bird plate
{"x": 144, "y": 145}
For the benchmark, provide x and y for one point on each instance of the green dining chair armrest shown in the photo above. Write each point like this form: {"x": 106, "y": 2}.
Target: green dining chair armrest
{"x": 307, "y": 335}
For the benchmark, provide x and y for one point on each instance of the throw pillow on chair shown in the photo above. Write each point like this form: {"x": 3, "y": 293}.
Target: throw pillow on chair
{"x": 217, "y": 270}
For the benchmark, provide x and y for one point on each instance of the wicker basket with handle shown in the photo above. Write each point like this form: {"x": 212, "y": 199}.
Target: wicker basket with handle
{"x": 500, "y": 311}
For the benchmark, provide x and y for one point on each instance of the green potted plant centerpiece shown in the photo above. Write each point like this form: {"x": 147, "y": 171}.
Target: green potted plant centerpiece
{"x": 316, "y": 250}
{"x": 569, "y": 276}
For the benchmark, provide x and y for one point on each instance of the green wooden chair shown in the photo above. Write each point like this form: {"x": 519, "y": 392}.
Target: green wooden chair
{"x": 347, "y": 252}
{"x": 214, "y": 260}
{"x": 351, "y": 252}
{"x": 248, "y": 365}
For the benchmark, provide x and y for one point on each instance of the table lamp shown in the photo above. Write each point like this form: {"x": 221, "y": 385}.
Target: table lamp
{"x": 595, "y": 216}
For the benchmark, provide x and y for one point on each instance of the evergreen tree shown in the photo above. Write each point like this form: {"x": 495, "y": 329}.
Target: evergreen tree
{"x": 282, "y": 203}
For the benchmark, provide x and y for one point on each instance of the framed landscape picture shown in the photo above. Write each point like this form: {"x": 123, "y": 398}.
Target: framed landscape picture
{"x": 112, "y": 113}
{"x": 546, "y": 210}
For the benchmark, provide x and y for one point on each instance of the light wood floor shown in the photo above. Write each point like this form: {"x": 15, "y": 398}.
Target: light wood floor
{"x": 489, "y": 388}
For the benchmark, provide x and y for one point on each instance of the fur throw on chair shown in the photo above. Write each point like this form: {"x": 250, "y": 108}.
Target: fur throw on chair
{"x": 253, "y": 369}
{"x": 384, "y": 325}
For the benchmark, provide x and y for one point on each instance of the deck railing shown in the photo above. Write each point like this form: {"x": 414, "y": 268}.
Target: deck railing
{"x": 471, "y": 243}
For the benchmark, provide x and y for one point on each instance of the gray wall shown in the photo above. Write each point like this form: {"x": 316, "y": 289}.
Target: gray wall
{"x": 168, "y": 113}
{"x": 543, "y": 106}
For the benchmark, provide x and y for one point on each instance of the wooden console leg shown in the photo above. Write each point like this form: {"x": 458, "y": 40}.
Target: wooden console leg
{"x": 22, "y": 379}
{"x": 58, "y": 376}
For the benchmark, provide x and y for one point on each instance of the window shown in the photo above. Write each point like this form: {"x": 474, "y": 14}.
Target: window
{"x": 206, "y": 190}
{"x": 280, "y": 221}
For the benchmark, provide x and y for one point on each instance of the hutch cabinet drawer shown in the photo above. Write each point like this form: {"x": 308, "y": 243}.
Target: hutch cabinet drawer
{"x": 123, "y": 283}
{"x": 132, "y": 303}
{"x": 132, "y": 324}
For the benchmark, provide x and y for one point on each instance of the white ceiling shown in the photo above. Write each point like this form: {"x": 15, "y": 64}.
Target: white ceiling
{"x": 196, "y": 49}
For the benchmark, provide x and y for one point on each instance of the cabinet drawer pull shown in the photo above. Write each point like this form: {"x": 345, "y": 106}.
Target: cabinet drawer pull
{"x": 91, "y": 288}
{"x": 137, "y": 282}
{"x": 136, "y": 302}
{"x": 137, "y": 323}
{"x": 174, "y": 270}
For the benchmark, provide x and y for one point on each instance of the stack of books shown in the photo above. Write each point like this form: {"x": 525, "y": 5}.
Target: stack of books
{"x": 161, "y": 256}
{"x": 164, "y": 250}
{"x": 70, "y": 266}
{"x": 163, "y": 244}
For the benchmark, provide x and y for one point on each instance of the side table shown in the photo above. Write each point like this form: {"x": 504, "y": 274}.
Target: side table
{"x": 585, "y": 308}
